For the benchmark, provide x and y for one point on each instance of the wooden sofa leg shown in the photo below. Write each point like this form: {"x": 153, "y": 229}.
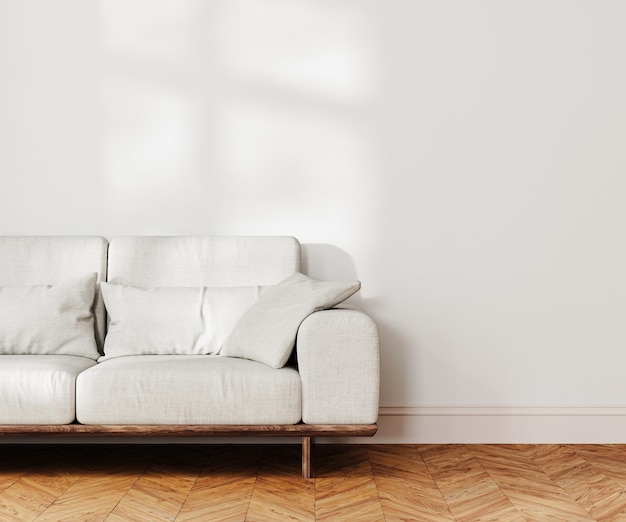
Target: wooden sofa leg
{"x": 306, "y": 457}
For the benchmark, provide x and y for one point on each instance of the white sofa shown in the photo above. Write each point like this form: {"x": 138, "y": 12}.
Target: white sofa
{"x": 159, "y": 378}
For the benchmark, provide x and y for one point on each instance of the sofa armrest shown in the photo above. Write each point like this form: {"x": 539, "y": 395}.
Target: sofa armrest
{"x": 339, "y": 364}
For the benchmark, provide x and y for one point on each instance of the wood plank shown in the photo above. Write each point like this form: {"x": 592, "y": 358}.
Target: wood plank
{"x": 99, "y": 490}
{"x": 535, "y": 495}
{"x": 406, "y": 488}
{"x": 38, "y": 488}
{"x": 160, "y": 492}
{"x": 610, "y": 459}
{"x": 15, "y": 464}
{"x": 344, "y": 485}
{"x": 280, "y": 492}
{"x": 598, "y": 494}
{"x": 224, "y": 486}
{"x": 164, "y": 430}
{"x": 469, "y": 491}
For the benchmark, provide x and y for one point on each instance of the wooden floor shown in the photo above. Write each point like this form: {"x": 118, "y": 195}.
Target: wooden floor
{"x": 352, "y": 482}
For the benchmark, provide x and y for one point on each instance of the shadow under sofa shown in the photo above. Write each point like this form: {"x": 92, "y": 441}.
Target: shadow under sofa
{"x": 328, "y": 387}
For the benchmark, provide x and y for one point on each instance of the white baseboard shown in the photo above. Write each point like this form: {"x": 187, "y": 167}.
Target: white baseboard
{"x": 499, "y": 424}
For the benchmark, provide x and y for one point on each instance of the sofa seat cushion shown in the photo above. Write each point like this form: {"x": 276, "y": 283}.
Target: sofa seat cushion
{"x": 39, "y": 389}
{"x": 187, "y": 389}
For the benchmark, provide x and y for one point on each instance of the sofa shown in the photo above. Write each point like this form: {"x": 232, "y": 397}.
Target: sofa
{"x": 180, "y": 337}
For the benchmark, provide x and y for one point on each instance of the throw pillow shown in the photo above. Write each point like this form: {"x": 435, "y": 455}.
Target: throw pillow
{"x": 172, "y": 321}
{"x": 49, "y": 319}
{"x": 267, "y": 331}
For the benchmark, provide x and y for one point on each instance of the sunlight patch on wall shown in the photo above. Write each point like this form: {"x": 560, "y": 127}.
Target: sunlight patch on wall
{"x": 155, "y": 30}
{"x": 298, "y": 168}
{"x": 292, "y": 142}
{"x": 319, "y": 49}
{"x": 148, "y": 143}
{"x": 245, "y": 117}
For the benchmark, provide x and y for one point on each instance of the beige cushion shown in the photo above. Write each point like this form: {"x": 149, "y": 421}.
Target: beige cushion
{"x": 39, "y": 389}
{"x": 175, "y": 321}
{"x": 49, "y": 319}
{"x": 187, "y": 389}
{"x": 44, "y": 260}
{"x": 267, "y": 331}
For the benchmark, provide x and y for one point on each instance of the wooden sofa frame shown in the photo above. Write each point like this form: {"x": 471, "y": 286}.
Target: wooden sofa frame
{"x": 306, "y": 431}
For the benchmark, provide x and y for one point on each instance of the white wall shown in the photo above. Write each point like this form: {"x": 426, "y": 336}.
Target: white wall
{"x": 465, "y": 159}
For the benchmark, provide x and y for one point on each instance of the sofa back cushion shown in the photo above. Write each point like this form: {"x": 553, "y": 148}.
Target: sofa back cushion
{"x": 202, "y": 261}
{"x": 34, "y": 260}
{"x": 172, "y": 320}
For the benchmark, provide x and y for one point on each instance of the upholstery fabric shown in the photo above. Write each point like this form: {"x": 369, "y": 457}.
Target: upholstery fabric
{"x": 39, "y": 389}
{"x": 172, "y": 320}
{"x": 202, "y": 260}
{"x": 338, "y": 360}
{"x": 187, "y": 389}
{"x": 267, "y": 331}
{"x": 49, "y": 319}
{"x": 41, "y": 260}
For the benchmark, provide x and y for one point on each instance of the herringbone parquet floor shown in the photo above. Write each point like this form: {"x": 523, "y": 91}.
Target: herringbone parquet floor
{"x": 352, "y": 482}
